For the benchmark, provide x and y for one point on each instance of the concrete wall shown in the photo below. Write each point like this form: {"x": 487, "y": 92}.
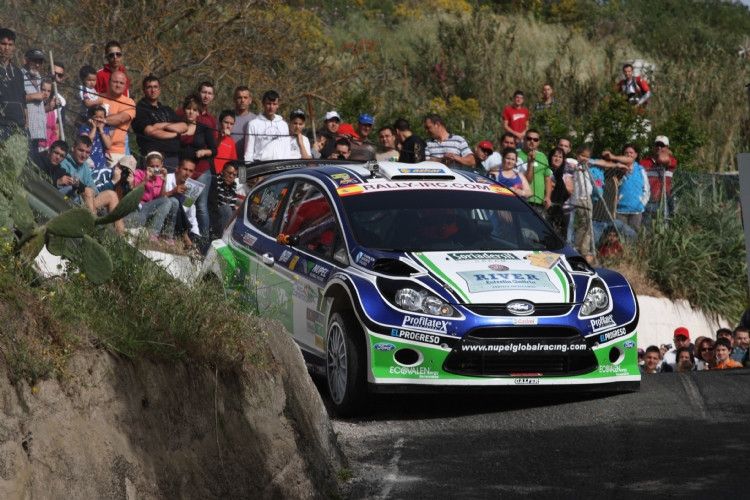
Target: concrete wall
{"x": 659, "y": 318}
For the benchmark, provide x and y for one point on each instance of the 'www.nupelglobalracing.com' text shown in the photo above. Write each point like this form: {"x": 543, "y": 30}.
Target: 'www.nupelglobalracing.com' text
{"x": 523, "y": 347}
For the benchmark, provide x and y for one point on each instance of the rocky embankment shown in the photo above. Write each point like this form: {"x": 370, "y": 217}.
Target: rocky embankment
{"x": 117, "y": 428}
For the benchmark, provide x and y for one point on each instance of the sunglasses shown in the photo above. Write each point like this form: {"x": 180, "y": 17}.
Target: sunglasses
{"x": 114, "y": 54}
{"x": 60, "y": 75}
{"x": 532, "y": 139}
{"x": 707, "y": 349}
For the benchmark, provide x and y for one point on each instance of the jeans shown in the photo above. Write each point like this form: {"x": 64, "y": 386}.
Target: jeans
{"x": 599, "y": 228}
{"x": 157, "y": 216}
{"x": 201, "y": 205}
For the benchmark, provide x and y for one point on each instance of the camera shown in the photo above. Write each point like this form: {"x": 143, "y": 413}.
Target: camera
{"x": 125, "y": 172}
{"x": 80, "y": 188}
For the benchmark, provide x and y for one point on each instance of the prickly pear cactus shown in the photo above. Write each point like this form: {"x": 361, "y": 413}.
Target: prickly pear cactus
{"x": 69, "y": 235}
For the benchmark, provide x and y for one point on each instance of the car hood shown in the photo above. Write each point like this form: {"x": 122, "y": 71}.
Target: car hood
{"x": 499, "y": 277}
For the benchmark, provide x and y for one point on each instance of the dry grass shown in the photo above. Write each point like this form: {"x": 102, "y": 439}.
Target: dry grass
{"x": 635, "y": 273}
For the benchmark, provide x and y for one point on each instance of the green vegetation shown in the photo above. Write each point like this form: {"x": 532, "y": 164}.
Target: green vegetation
{"x": 108, "y": 294}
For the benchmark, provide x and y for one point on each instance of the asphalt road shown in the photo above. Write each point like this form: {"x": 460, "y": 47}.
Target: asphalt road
{"x": 681, "y": 436}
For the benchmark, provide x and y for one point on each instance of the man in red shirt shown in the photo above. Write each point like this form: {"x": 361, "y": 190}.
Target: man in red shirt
{"x": 113, "y": 53}
{"x": 516, "y": 117}
{"x": 659, "y": 167}
{"x": 634, "y": 88}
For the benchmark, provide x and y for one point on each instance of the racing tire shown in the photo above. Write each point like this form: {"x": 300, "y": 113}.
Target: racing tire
{"x": 346, "y": 364}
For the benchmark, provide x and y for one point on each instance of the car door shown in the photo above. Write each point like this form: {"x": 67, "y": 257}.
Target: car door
{"x": 309, "y": 263}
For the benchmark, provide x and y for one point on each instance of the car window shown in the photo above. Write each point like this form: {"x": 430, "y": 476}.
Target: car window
{"x": 446, "y": 220}
{"x": 309, "y": 215}
{"x": 264, "y": 205}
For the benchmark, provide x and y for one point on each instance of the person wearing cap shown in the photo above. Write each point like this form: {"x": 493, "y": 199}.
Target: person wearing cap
{"x": 32, "y": 81}
{"x": 12, "y": 88}
{"x": 681, "y": 339}
{"x": 660, "y": 168}
{"x": 299, "y": 144}
{"x": 157, "y": 127}
{"x": 118, "y": 178}
{"x": 447, "y": 148}
{"x": 362, "y": 148}
{"x": 486, "y": 157}
{"x": 267, "y": 136}
{"x": 331, "y": 124}
{"x": 387, "y": 139}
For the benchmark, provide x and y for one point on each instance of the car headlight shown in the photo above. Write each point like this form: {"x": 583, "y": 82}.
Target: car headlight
{"x": 413, "y": 300}
{"x": 596, "y": 301}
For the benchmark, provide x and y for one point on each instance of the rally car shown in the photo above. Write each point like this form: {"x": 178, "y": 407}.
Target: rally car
{"x": 415, "y": 277}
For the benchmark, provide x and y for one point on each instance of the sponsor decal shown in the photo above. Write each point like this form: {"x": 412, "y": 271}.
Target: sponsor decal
{"x": 293, "y": 262}
{"x": 483, "y": 256}
{"x": 520, "y": 307}
{"x": 612, "y": 334}
{"x": 285, "y": 256}
{"x": 340, "y": 176}
{"x": 396, "y": 186}
{"x": 317, "y": 271}
{"x": 526, "y": 381}
{"x": 416, "y": 336}
{"x": 363, "y": 259}
{"x": 349, "y": 190}
{"x": 249, "y": 239}
{"x": 525, "y": 346}
{"x": 629, "y": 344}
{"x": 421, "y": 371}
{"x": 498, "y": 267}
{"x": 421, "y": 170}
{"x": 614, "y": 369}
{"x": 602, "y": 323}
{"x": 524, "y": 321}
{"x": 384, "y": 347}
{"x": 346, "y": 182}
{"x": 480, "y": 281}
{"x": 546, "y": 260}
{"x": 421, "y": 322}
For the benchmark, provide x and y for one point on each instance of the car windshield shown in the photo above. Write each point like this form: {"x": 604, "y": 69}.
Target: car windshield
{"x": 436, "y": 220}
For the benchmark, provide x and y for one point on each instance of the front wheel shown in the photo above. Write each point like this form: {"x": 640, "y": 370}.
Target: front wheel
{"x": 346, "y": 364}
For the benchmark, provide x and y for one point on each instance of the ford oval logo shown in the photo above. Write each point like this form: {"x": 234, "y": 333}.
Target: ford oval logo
{"x": 520, "y": 307}
{"x": 384, "y": 346}
{"x": 629, "y": 344}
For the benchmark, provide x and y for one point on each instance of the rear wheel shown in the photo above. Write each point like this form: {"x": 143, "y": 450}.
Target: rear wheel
{"x": 346, "y": 363}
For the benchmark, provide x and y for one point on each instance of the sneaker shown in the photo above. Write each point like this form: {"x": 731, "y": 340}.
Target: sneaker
{"x": 169, "y": 241}
{"x": 153, "y": 237}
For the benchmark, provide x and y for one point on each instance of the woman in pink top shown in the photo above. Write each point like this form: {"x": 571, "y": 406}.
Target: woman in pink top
{"x": 157, "y": 213}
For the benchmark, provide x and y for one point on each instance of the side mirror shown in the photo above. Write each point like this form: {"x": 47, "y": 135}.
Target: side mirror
{"x": 287, "y": 239}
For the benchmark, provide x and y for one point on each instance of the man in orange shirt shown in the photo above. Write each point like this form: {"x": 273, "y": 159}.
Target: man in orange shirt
{"x": 120, "y": 113}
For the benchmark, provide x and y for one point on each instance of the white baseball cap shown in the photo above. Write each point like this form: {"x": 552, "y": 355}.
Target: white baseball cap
{"x": 663, "y": 139}
{"x": 331, "y": 115}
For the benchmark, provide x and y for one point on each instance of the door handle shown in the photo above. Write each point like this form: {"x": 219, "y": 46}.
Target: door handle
{"x": 267, "y": 259}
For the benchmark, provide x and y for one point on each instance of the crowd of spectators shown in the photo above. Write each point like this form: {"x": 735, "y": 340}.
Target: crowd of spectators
{"x": 728, "y": 350}
{"x": 592, "y": 202}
